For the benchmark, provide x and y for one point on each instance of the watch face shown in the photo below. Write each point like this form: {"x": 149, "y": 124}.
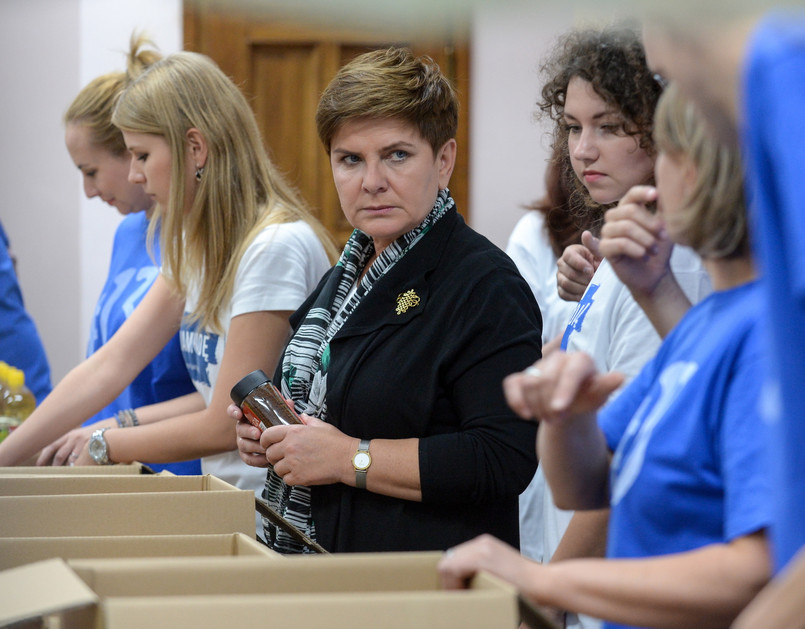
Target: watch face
{"x": 97, "y": 448}
{"x": 361, "y": 460}
{"x": 94, "y": 447}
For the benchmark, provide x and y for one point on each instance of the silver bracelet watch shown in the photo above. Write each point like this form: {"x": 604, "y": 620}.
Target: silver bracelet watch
{"x": 99, "y": 448}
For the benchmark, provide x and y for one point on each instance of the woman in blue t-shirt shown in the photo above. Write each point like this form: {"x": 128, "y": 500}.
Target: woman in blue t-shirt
{"x": 679, "y": 454}
{"x": 97, "y": 149}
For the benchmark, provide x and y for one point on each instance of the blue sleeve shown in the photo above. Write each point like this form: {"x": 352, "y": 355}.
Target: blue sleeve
{"x": 774, "y": 99}
{"x": 20, "y": 345}
{"x": 618, "y": 412}
{"x": 743, "y": 438}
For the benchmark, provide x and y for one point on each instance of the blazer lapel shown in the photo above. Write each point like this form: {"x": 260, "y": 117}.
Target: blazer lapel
{"x": 402, "y": 294}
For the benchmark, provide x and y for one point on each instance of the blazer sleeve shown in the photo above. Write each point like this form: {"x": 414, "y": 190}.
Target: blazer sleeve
{"x": 495, "y": 330}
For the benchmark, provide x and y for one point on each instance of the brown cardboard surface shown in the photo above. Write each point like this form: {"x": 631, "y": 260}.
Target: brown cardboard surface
{"x": 371, "y": 572}
{"x": 40, "y": 589}
{"x": 394, "y": 590}
{"x": 225, "y": 575}
{"x": 43, "y": 485}
{"x": 18, "y": 551}
{"x": 65, "y": 470}
{"x": 390, "y": 610}
{"x": 147, "y": 513}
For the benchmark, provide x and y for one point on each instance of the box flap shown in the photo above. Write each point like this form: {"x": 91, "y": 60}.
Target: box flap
{"x": 18, "y": 551}
{"x": 229, "y": 575}
{"x": 147, "y": 513}
{"x": 40, "y": 589}
{"x": 99, "y": 470}
{"x": 42, "y": 485}
{"x": 468, "y": 609}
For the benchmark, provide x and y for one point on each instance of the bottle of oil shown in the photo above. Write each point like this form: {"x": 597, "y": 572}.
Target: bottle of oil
{"x": 18, "y": 400}
{"x": 4, "y": 423}
{"x": 3, "y": 384}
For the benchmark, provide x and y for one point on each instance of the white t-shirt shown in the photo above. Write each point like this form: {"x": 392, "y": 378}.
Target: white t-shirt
{"x": 608, "y": 324}
{"x": 279, "y": 269}
{"x": 531, "y": 251}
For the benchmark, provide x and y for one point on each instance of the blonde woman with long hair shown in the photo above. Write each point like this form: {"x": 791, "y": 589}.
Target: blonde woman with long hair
{"x": 240, "y": 252}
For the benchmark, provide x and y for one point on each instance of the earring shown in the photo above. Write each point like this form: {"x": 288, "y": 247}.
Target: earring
{"x": 199, "y": 172}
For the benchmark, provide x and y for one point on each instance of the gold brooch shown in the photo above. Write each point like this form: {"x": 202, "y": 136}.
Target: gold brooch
{"x": 406, "y": 300}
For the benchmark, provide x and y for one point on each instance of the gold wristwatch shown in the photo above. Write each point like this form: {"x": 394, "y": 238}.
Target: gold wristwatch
{"x": 361, "y": 462}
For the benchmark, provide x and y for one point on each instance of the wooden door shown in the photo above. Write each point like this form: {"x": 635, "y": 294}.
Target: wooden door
{"x": 282, "y": 68}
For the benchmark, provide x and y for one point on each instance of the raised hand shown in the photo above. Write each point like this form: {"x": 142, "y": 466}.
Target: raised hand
{"x": 560, "y": 385}
{"x": 635, "y": 242}
{"x": 576, "y": 267}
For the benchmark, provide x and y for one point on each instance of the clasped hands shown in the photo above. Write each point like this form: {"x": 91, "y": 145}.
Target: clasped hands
{"x": 315, "y": 453}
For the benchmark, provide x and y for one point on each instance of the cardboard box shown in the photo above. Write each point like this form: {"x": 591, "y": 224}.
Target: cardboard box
{"x": 101, "y": 470}
{"x": 18, "y": 551}
{"x": 124, "y": 505}
{"x": 43, "y": 485}
{"x": 391, "y": 590}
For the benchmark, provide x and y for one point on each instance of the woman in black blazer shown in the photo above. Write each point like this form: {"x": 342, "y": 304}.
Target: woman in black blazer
{"x": 397, "y": 358}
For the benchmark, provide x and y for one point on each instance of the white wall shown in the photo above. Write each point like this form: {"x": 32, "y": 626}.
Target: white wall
{"x": 509, "y": 148}
{"x": 105, "y": 31}
{"x": 40, "y": 49}
{"x": 50, "y": 49}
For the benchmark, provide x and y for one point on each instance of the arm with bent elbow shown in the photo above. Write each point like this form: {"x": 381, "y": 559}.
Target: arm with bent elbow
{"x": 706, "y": 587}
{"x": 98, "y": 380}
{"x": 563, "y": 392}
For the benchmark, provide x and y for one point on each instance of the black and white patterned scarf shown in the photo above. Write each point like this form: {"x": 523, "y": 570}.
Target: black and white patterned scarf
{"x": 307, "y": 356}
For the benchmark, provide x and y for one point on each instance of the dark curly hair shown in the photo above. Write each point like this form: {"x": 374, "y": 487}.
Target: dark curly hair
{"x": 613, "y": 61}
{"x": 563, "y": 227}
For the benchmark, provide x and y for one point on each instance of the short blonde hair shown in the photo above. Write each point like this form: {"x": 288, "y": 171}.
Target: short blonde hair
{"x": 390, "y": 83}
{"x": 240, "y": 191}
{"x": 93, "y": 106}
{"x": 714, "y": 217}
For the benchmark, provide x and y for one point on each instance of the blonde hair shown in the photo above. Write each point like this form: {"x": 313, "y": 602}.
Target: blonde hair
{"x": 713, "y": 218}
{"x": 94, "y": 104}
{"x": 390, "y": 83}
{"x": 240, "y": 191}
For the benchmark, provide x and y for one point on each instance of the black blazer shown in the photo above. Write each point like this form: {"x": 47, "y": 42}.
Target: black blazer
{"x": 435, "y": 372}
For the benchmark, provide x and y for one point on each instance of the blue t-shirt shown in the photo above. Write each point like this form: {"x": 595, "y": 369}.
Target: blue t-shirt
{"x": 20, "y": 345}
{"x": 688, "y": 468}
{"x": 131, "y": 274}
{"x": 774, "y": 142}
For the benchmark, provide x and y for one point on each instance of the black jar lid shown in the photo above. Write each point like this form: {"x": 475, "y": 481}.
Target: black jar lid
{"x": 247, "y": 384}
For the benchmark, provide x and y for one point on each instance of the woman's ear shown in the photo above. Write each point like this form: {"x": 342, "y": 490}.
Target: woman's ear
{"x": 197, "y": 146}
{"x": 446, "y": 158}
